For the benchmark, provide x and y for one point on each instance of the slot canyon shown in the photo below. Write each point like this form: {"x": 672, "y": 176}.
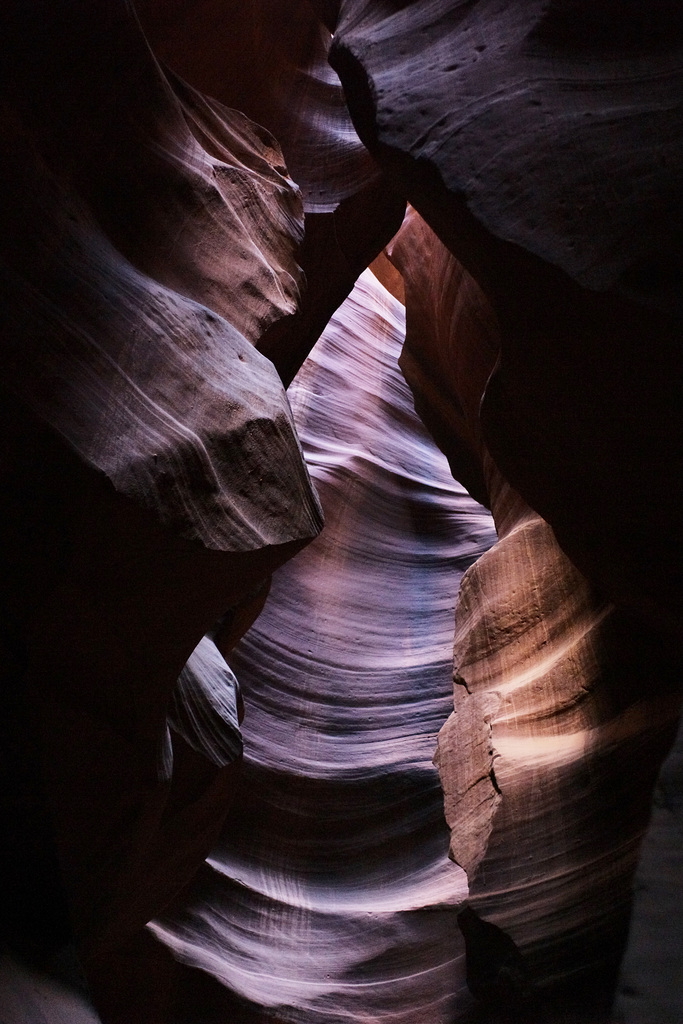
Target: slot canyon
{"x": 340, "y": 526}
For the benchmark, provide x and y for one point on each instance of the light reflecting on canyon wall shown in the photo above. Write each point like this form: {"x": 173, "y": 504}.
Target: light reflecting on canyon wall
{"x": 331, "y": 894}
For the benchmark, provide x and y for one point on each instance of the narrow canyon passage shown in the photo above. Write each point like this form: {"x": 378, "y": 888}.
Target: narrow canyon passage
{"x": 437, "y": 713}
{"x": 330, "y": 895}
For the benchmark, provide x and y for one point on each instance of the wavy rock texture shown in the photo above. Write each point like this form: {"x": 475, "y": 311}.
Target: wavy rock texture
{"x": 151, "y": 244}
{"x": 151, "y": 471}
{"x": 550, "y": 714}
{"x": 549, "y": 723}
{"x": 204, "y": 706}
{"x": 541, "y": 142}
{"x": 330, "y": 894}
{"x": 93, "y": 318}
{"x": 469, "y": 106}
{"x": 270, "y": 61}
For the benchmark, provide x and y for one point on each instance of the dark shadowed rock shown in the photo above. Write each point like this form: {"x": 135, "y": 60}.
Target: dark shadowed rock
{"x": 542, "y": 144}
{"x": 496, "y": 971}
{"x": 151, "y": 474}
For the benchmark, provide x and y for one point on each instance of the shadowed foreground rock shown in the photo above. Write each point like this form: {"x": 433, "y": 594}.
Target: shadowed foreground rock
{"x": 550, "y": 756}
{"x": 496, "y": 972}
{"x": 542, "y": 143}
{"x": 152, "y": 475}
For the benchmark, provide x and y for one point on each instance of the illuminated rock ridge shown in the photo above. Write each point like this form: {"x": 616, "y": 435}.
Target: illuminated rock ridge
{"x": 190, "y": 192}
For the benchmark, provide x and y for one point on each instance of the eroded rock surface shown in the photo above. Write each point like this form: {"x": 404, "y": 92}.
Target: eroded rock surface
{"x": 152, "y": 473}
{"x": 541, "y": 662}
{"x": 270, "y": 61}
{"x": 152, "y": 244}
{"x": 556, "y": 124}
{"x": 549, "y": 712}
{"x": 330, "y": 894}
{"x": 541, "y": 142}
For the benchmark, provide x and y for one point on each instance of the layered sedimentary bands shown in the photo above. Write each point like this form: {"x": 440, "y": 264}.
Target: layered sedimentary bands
{"x": 180, "y": 220}
{"x": 335, "y": 834}
{"x": 279, "y": 75}
{"x": 330, "y": 894}
{"x": 541, "y": 141}
{"x": 550, "y": 711}
{"x": 151, "y": 471}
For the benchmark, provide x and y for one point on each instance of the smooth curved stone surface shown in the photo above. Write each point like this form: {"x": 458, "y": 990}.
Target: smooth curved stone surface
{"x": 151, "y": 474}
{"x": 452, "y": 344}
{"x": 330, "y": 895}
{"x": 194, "y": 195}
{"x": 541, "y": 142}
{"x": 28, "y": 997}
{"x": 204, "y": 706}
{"x": 99, "y": 278}
{"x": 556, "y": 124}
{"x": 549, "y": 758}
{"x": 270, "y": 61}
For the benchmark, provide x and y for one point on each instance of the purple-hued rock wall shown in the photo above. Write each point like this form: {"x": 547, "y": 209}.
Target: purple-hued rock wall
{"x": 330, "y": 893}
{"x": 189, "y": 192}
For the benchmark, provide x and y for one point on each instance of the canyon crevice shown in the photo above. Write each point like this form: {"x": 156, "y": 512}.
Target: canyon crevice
{"x": 341, "y": 607}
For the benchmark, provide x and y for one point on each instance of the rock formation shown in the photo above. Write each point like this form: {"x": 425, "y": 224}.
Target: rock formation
{"x": 550, "y": 714}
{"x": 152, "y": 472}
{"x": 179, "y": 223}
{"x": 270, "y": 61}
{"x": 337, "y": 831}
{"x": 541, "y": 142}
{"x": 467, "y": 105}
{"x": 29, "y": 996}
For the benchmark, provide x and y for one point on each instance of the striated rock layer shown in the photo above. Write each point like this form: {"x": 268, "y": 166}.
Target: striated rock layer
{"x": 151, "y": 473}
{"x": 270, "y": 61}
{"x": 550, "y": 755}
{"x": 151, "y": 248}
{"x": 549, "y": 759}
{"x": 330, "y": 894}
{"x": 118, "y": 258}
{"x": 542, "y": 143}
